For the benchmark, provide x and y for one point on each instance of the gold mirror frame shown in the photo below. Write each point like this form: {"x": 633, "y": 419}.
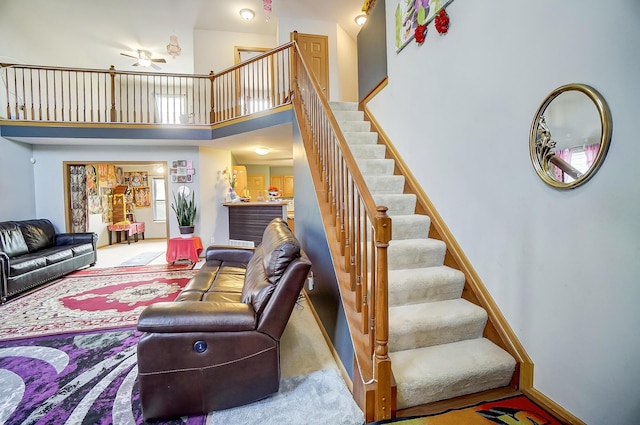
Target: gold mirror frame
{"x": 541, "y": 146}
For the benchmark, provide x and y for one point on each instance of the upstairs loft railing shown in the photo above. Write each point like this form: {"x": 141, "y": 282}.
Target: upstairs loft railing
{"x": 363, "y": 232}
{"x": 55, "y": 94}
{"x": 278, "y": 77}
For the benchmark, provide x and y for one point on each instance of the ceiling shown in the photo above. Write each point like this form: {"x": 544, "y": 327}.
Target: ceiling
{"x": 136, "y": 23}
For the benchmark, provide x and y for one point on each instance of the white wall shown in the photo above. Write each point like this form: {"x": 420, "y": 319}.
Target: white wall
{"x": 49, "y": 187}
{"x": 16, "y": 181}
{"x": 214, "y": 50}
{"x": 31, "y": 36}
{"x": 338, "y": 41}
{"x": 562, "y": 265}
{"x": 214, "y": 217}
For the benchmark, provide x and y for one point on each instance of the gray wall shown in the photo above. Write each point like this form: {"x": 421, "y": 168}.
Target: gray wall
{"x": 310, "y": 231}
{"x": 562, "y": 265}
{"x": 17, "y": 201}
{"x": 372, "y": 58}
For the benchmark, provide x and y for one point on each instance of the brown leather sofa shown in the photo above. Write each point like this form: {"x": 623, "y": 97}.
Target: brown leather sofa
{"x": 218, "y": 344}
{"x": 32, "y": 254}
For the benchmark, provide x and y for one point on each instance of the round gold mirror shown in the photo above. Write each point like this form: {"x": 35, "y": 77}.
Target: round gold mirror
{"x": 570, "y": 136}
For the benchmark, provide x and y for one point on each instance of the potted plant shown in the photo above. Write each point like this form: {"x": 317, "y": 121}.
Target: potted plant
{"x": 185, "y": 209}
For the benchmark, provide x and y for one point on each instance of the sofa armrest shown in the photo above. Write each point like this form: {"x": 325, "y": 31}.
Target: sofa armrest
{"x": 4, "y": 276}
{"x": 197, "y": 316}
{"x": 229, "y": 253}
{"x": 76, "y": 238}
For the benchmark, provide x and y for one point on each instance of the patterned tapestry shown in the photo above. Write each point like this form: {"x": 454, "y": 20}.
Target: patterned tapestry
{"x": 78, "y": 198}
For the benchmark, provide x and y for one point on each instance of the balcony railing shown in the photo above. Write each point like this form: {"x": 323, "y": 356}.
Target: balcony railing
{"x": 44, "y": 93}
{"x": 279, "y": 77}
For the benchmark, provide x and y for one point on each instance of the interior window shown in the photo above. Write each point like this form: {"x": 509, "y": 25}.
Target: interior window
{"x": 159, "y": 199}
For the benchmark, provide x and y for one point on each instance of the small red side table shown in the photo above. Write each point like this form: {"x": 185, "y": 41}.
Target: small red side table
{"x": 184, "y": 249}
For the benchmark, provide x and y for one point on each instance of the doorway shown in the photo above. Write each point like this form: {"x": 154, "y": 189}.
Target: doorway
{"x": 90, "y": 189}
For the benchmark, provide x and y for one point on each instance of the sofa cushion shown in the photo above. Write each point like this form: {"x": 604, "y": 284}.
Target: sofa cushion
{"x": 279, "y": 248}
{"x": 257, "y": 289}
{"x": 55, "y": 255}
{"x": 38, "y": 234}
{"x": 26, "y": 263}
{"x": 81, "y": 249}
{"x": 12, "y": 242}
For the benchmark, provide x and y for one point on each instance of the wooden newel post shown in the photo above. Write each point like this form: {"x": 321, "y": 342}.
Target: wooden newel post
{"x": 212, "y": 113}
{"x": 112, "y": 73}
{"x": 382, "y": 365}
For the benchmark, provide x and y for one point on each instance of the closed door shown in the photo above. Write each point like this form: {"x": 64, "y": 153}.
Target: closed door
{"x": 256, "y": 184}
{"x": 315, "y": 49}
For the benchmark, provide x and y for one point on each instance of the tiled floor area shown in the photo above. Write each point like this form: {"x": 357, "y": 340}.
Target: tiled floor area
{"x": 112, "y": 255}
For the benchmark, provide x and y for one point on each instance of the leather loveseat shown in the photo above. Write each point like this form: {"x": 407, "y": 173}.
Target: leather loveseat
{"x": 218, "y": 344}
{"x": 32, "y": 253}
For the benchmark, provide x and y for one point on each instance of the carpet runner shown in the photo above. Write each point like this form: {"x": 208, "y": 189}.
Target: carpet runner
{"x": 508, "y": 411}
{"x": 91, "y": 378}
{"x": 141, "y": 259}
{"x": 89, "y": 302}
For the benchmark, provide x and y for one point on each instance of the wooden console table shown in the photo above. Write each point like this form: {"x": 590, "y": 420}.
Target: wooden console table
{"x": 128, "y": 229}
{"x": 247, "y": 220}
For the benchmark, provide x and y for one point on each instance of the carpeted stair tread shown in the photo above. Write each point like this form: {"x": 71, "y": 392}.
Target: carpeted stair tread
{"x": 441, "y": 372}
{"x": 376, "y": 166}
{"x": 415, "y": 253}
{"x": 433, "y": 323}
{"x": 397, "y": 204}
{"x": 385, "y": 184}
{"x": 410, "y": 226}
{"x": 351, "y": 126}
{"x": 368, "y": 151}
{"x": 343, "y": 106}
{"x": 361, "y": 137}
{"x": 408, "y": 286}
{"x": 348, "y": 115}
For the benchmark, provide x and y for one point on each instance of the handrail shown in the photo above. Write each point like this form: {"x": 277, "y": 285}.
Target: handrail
{"x": 363, "y": 230}
{"x": 83, "y": 95}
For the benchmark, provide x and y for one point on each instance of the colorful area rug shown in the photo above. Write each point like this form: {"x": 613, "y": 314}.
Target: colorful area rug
{"x": 92, "y": 271}
{"x": 508, "y": 411}
{"x": 89, "y": 302}
{"x": 91, "y": 378}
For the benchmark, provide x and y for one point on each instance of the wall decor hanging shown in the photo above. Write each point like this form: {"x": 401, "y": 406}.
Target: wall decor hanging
{"x": 412, "y": 18}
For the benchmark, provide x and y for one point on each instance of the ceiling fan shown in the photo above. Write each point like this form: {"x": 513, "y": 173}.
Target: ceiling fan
{"x": 145, "y": 59}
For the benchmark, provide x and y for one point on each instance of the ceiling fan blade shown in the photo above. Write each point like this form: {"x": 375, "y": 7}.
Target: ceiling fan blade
{"x": 135, "y": 64}
{"x": 156, "y": 67}
{"x": 129, "y": 56}
{"x": 159, "y": 60}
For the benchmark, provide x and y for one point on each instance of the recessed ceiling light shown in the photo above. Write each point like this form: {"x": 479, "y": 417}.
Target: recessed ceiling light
{"x": 361, "y": 19}
{"x": 262, "y": 151}
{"x": 247, "y": 14}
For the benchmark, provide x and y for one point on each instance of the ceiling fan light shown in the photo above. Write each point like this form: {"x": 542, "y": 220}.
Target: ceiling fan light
{"x": 361, "y": 19}
{"x": 173, "y": 48}
{"x": 144, "y": 58}
{"x": 247, "y": 14}
{"x": 262, "y": 151}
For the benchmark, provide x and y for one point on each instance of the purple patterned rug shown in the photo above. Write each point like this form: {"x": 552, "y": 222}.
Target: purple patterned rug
{"x": 81, "y": 378}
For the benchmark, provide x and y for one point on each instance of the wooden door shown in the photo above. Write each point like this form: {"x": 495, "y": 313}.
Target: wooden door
{"x": 315, "y": 49}
{"x": 256, "y": 184}
{"x": 287, "y": 186}
{"x": 241, "y": 182}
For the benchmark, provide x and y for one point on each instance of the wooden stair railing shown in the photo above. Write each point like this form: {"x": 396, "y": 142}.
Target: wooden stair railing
{"x": 76, "y": 95}
{"x": 362, "y": 232}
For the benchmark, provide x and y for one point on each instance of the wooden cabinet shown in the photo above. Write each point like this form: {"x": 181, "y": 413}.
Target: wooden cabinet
{"x": 241, "y": 181}
{"x": 284, "y": 184}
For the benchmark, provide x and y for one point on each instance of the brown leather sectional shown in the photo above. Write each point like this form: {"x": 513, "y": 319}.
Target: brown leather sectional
{"x": 218, "y": 344}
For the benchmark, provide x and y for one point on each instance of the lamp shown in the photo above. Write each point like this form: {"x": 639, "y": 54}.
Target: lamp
{"x": 144, "y": 58}
{"x": 361, "y": 19}
{"x": 247, "y": 14}
{"x": 262, "y": 151}
{"x": 173, "y": 48}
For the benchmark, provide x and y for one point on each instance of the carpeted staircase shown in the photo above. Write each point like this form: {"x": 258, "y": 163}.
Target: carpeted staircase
{"x": 435, "y": 336}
